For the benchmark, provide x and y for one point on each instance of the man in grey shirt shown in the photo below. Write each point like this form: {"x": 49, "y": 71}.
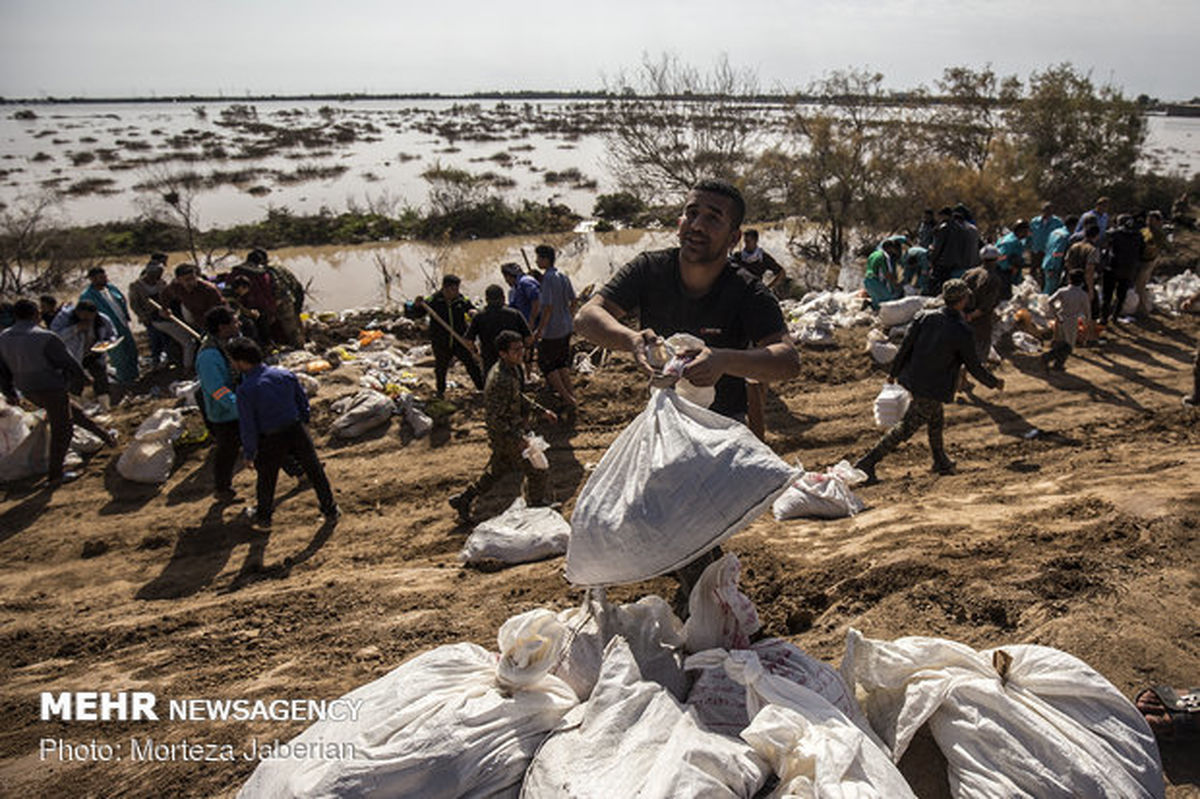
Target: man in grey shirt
{"x": 36, "y": 362}
{"x": 553, "y": 326}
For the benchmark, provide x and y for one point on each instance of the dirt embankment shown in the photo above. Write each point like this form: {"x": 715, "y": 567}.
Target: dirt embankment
{"x": 1082, "y": 537}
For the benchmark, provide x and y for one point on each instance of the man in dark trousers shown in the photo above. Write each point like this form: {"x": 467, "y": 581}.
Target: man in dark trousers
{"x": 491, "y": 321}
{"x": 505, "y": 407}
{"x": 452, "y": 308}
{"x": 272, "y": 414}
{"x": 937, "y": 344}
{"x": 36, "y": 362}
{"x": 217, "y": 388}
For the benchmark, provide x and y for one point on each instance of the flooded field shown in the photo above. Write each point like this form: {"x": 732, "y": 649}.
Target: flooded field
{"x": 246, "y": 158}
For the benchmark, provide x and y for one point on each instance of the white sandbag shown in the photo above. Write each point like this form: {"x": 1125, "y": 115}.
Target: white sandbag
{"x": 632, "y": 738}
{"x": 85, "y": 442}
{"x": 165, "y": 424}
{"x": 1020, "y": 720}
{"x": 309, "y": 383}
{"x": 147, "y": 461}
{"x": 891, "y": 404}
{"x": 535, "y": 451}
{"x": 1130, "y": 306}
{"x": 652, "y": 631}
{"x": 14, "y": 427}
{"x": 186, "y": 391}
{"x": 719, "y": 614}
{"x": 816, "y": 749}
{"x": 443, "y": 725}
{"x": 420, "y": 423}
{"x": 679, "y": 480}
{"x": 880, "y": 349}
{"x": 518, "y": 535}
{"x": 721, "y": 701}
{"x": 900, "y": 312}
{"x": 361, "y": 413}
{"x": 31, "y": 454}
{"x": 676, "y": 346}
{"x": 821, "y": 495}
{"x": 1025, "y": 343}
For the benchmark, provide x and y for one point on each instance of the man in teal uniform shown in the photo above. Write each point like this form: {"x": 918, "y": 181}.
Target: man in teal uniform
{"x": 880, "y": 279}
{"x": 1057, "y": 243}
{"x": 111, "y": 302}
{"x": 1040, "y": 228}
{"x": 1012, "y": 247}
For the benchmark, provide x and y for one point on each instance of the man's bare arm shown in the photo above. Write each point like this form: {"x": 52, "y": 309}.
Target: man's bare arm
{"x": 598, "y": 321}
{"x": 772, "y": 359}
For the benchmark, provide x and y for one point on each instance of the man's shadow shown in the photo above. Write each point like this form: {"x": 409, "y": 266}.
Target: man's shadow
{"x": 22, "y": 515}
{"x": 200, "y": 554}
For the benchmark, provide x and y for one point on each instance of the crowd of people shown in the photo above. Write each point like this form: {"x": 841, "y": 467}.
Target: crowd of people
{"x": 715, "y": 285}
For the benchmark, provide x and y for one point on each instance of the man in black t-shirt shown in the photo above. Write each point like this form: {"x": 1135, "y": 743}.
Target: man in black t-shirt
{"x": 488, "y": 323}
{"x": 690, "y": 289}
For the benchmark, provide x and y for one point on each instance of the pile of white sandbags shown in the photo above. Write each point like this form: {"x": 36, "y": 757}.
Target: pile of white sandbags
{"x": 812, "y": 319}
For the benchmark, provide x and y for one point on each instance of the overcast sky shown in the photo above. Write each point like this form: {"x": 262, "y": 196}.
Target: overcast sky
{"x": 232, "y": 47}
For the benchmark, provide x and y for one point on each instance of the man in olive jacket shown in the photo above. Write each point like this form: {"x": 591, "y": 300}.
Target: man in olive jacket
{"x": 937, "y": 344}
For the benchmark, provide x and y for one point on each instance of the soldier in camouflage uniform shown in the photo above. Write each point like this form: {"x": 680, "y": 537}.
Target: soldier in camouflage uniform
{"x": 289, "y": 300}
{"x": 505, "y": 407}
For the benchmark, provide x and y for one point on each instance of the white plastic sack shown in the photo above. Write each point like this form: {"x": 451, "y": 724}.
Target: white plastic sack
{"x": 632, "y": 738}
{"x": 814, "y": 748}
{"x": 1130, "y": 306}
{"x": 442, "y": 725}
{"x": 719, "y": 614}
{"x": 85, "y": 442}
{"x": 147, "y": 461}
{"x": 165, "y": 424}
{"x": 535, "y": 451}
{"x": 360, "y": 413}
{"x": 309, "y": 383}
{"x": 14, "y": 427}
{"x": 185, "y": 390}
{"x": 821, "y": 495}
{"x": 31, "y": 454}
{"x": 1023, "y": 720}
{"x": 900, "y": 312}
{"x": 420, "y": 423}
{"x": 1023, "y": 342}
{"x": 721, "y": 701}
{"x": 676, "y": 346}
{"x": 652, "y": 631}
{"x": 679, "y": 480}
{"x": 518, "y": 535}
{"x": 891, "y": 404}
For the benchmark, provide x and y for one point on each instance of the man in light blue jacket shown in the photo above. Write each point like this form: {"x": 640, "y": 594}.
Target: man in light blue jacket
{"x": 218, "y": 400}
{"x": 1040, "y": 228}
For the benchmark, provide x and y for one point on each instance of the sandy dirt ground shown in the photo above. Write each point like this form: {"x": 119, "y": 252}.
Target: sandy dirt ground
{"x": 1082, "y": 537}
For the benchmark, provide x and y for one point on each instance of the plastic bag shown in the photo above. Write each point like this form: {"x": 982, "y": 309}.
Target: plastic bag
{"x": 445, "y": 724}
{"x": 891, "y": 404}
{"x": 518, "y": 535}
{"x": 535, "y": 451}
{"x": 900, "y": 312}
{"x": 361, "y": 413}
{"x": 14, "y": 427}
{"x": 165, "y": 424}
{"x": 881, "y": 350}
{"x": 418, "y": 421}
{"x": 1023, "y": 342}
{"x": 31, "y": 454}
{"x": 309, "y": 383}
{"x": 1021, "y": 720}
{"x": 633, "y": 738}
{"x": 677, "y": 481}
{"x": 719, "y": 614}
{"x": 85, "y": 442}
{"x": 821, "y": 495}
{"x": 652, "y": 631}
{"x": 147, "y": 461}
{"x": 814, "y": 747}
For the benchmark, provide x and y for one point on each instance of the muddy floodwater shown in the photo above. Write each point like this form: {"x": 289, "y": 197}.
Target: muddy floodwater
{"x": 247, "y": 158}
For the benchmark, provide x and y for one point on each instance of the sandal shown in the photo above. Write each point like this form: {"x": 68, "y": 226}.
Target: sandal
{"x": 1172, "y": 716}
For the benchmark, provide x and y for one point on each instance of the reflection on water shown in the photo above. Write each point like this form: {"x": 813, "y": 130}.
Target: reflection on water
{"x": 350, "y": 277}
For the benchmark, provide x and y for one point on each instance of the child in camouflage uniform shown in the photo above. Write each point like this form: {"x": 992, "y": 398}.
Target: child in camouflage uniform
{"x": 505, "y": 407}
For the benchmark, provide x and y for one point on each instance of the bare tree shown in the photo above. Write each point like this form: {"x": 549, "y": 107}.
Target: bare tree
{"x": 673, "y": 125}
{"x": 36, "y": 254}
{"x": 970, "y": 117}
{"x": 170, "y": 196}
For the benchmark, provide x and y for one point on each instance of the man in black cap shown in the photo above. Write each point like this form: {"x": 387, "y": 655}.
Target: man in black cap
{"x": 452, "y": 309}
{"x": 938, "y": 343}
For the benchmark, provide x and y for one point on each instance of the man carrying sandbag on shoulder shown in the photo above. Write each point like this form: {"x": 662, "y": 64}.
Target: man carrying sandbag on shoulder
{"x": 937, "y": 344}
{"x": 689, "y": 289}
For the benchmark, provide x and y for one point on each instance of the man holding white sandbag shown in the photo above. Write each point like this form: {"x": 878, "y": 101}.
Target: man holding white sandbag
{"x": 690, "y": 289}
{"x": 938, "y": 343}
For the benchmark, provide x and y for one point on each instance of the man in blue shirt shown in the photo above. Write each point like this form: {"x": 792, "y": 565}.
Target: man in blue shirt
{"x": 1012, "y": 255}
{"x": 1056, "y": 250}
{"x": 272, "y": 413}
{"x": 554, "y": 327}
{"x": 218, "y": 399}
{"x": 524, "y": 294}
{"x": 1040, "y": 228}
